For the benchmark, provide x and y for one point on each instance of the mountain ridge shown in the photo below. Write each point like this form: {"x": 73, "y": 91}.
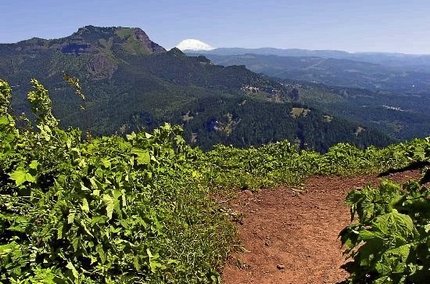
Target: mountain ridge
{"x": 392, "y": 99}
{"x": 396, "y": 59}
{"x": 86, "y": 34}
{"x": 132, "y": 83}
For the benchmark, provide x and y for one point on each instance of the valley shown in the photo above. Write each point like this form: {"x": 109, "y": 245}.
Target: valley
{"x": 170, "y": 142}
{"x": 131, "y": 83}
{"x": 367, "y": 92}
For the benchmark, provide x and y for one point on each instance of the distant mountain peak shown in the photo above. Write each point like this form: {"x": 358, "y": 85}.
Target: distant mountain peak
{"x": 93, "y": 39}
{"x": 176, "y": 52}
{"x": 194, "y": 45}
{"x": 90, "y": 29}
{"x": 101, "y": 49}
{"x": 134, "y": 40}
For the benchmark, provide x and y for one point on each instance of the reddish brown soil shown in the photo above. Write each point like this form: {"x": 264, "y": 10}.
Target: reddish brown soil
{"x": 293, "y": 238}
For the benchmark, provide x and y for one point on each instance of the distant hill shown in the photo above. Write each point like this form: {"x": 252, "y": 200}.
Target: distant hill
{"x": 384, "y": 58}
{"x": 132, "y": 83}
{"x": 401, "y": 115}
{"x": 391, "y": 99}
{"x": 334, "y": 71}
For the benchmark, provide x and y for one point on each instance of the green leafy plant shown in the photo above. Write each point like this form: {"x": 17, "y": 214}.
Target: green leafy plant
{"x": 389, "y": 243}
{"x": 284, "y": 163}
{"x": 104, "y": 210}
{"x": 137, "y": 208}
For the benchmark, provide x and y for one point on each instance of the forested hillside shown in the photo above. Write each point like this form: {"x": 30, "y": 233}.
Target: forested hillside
{"x": 131, "y": 83}
{"x": 393, "y": 99}
{"x": 401, "y": 116}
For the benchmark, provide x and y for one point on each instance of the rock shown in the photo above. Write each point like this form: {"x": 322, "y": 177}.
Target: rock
{"x": 280, "y": 266}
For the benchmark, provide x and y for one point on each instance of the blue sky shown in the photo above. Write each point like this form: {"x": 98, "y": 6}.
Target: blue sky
{"x": 352, "y": 25}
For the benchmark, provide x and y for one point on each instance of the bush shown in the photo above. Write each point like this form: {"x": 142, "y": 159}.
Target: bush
{"x": 104, "y": 210}
{"x": 390, "y": 241}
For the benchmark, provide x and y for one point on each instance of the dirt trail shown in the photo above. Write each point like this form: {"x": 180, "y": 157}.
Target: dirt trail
{"x": 293, "y": 238}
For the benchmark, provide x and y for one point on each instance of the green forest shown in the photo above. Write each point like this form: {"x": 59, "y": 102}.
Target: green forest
{"x": 132, "y": 85}
{"x": 138, "y": 208}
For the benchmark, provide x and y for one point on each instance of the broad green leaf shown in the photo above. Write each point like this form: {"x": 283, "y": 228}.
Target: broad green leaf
{"x": 131, "y": 136}
{"x": 73, "y": 269}
{"x": 20, "y": 176}
{"x": 101, "y": 253}
{"x": 383, "y": 280}
{"x": 71, "y": 217}
{"x": 154, "y": 264}
{"x": 393, "y": 260}
{"x": 85, "y": 207}
{"x": 366, "y": 235}
{"x": 60, "y": 231}
{"x": 136, "y": 263}
{"x": 142, "y": 156}
{"x": 84, "y": 188}
{"x": 106, "y": 163}
{"x": 86, "y": 229}
{"x": 95, "y": 183}
{"x": 8, "y": 248}
{"x": 109, "y": 202}
{"x": 75, "y": 244}
{"x": 4, "y": 120}
{"x": 34, "y": 164}
{"x": 395, "y": 224}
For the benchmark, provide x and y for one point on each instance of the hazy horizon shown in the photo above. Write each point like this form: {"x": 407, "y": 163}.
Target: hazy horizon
{"x": 368, "y": 26}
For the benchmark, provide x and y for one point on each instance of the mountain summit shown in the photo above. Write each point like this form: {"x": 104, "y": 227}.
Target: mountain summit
{"x": 194, "y": 45}
{"x": 133, "y": 40}
{"x": 96, "y": 40}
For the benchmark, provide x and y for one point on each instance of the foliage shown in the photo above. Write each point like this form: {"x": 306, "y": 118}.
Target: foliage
{"x": 136, "y": 209}
{"x": 389, "y": 243}
{"x": 284, "y": 163}
{"x": 105, "y": 210}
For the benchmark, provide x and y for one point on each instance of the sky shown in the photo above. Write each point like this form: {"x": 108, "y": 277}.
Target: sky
{"x": 350, "y": 25}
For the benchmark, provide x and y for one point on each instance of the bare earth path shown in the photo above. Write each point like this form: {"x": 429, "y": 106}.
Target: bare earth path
{"x": 293, "y": 238}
